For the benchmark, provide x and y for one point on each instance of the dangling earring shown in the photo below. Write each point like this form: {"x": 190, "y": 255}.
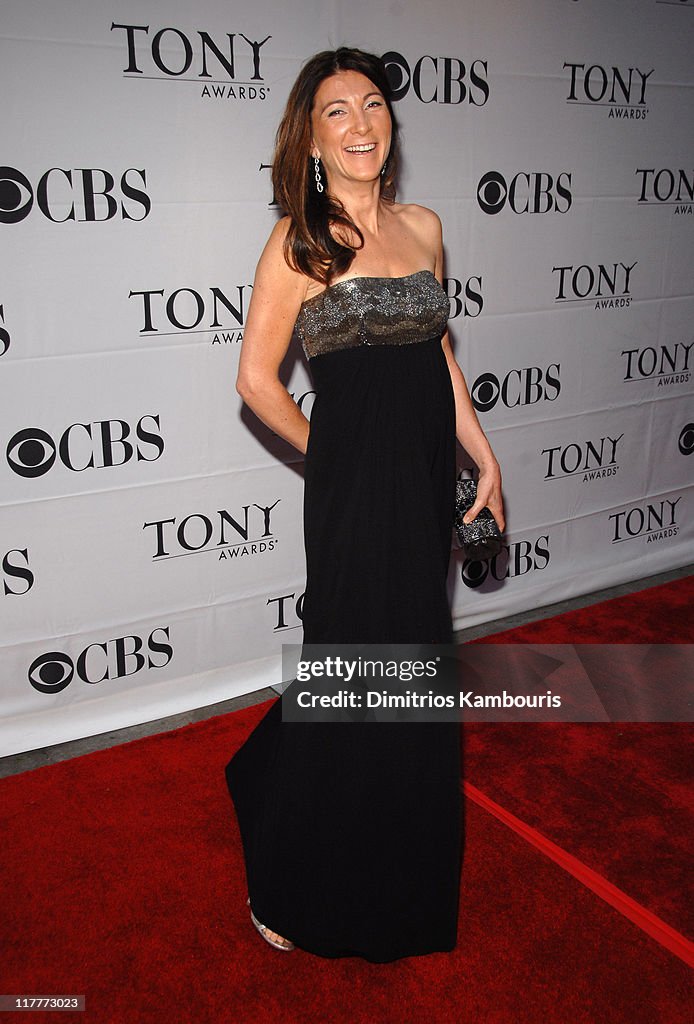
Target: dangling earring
{"x": 319, "y": 183}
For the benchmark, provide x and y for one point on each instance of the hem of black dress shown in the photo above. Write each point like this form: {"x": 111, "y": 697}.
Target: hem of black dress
{"x": 306, "y": 945}
{"x": 372, "y": 958}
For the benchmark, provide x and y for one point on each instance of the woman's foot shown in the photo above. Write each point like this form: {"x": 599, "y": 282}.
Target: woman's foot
{"x": 273, "y": 938}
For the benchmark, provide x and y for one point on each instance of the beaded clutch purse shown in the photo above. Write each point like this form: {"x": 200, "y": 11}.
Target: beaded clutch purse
{"x": 481, "y": 538}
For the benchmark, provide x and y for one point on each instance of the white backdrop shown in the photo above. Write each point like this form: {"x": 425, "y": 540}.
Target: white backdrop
{"x": 151, "y": 527}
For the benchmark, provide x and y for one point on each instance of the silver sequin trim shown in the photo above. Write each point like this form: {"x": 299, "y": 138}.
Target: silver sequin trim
{"x": 373, "y": 311}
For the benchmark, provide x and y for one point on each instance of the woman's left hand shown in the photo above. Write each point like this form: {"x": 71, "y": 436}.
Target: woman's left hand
{"x": 489, "y": 494}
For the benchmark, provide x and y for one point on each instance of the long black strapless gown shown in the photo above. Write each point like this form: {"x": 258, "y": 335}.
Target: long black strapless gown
{"x": 352, "y": 833}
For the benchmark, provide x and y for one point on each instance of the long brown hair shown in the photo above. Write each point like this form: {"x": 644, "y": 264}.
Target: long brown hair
{"x": 309, "y": 245}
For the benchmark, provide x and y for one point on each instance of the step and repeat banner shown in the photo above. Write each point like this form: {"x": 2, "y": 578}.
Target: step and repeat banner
{"x": 151, "y": 545}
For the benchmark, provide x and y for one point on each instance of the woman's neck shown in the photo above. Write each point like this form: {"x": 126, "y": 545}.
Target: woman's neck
{"x": 362, "y": 201}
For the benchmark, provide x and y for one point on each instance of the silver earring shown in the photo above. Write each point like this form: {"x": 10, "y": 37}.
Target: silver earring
{"x": 319, "y": 183}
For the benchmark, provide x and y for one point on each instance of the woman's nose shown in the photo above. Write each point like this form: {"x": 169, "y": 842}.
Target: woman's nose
{"x": 360, "y": 120}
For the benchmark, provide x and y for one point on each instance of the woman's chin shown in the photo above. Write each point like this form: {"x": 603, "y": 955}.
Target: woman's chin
{"x": 366, "y": 175}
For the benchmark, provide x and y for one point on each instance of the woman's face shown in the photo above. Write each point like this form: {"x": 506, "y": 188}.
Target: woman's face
{"x": 351, "y": 128}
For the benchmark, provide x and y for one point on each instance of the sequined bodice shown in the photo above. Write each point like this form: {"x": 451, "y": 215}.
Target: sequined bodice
{"x": 373, "y": 311}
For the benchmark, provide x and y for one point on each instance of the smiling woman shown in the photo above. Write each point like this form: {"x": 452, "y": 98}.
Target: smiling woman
{"x": 351, "y": 128}
{"x": 352, "y": 832}
{"x": 330, "y": 109}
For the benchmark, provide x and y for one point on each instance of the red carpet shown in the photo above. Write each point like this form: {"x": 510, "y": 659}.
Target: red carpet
{"x": 123, "y": 880}
{"x": 616, "y": 795}
{"x": 657, "y": 615}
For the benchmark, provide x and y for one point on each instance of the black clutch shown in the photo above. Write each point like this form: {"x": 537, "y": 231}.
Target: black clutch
{"x": 481, "y": 538}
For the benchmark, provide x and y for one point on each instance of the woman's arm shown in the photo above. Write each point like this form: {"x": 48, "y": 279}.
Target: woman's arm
{"x": 278, "y": 292}
{"x": 468, "y": 429}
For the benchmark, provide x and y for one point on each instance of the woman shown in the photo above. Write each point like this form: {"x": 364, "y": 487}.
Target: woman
{"x": 352, "y": 836}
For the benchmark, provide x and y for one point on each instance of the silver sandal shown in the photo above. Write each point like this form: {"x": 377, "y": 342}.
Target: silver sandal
{"x": 262, "y": 930}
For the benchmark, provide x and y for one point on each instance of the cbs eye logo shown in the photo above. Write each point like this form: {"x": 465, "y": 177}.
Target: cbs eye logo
{"x": 31, "y": 452}
{"x": 685, "y": 441}
{"x": 61, "y": 193}
{"x": 113, "y": 659}
{"x": 491, "y": 192}
{"x": 475, "y": 572}
{"x": 16, "y": 195}
{"x": 519, "y": 387}
{"x": 447, "y": 80}
{"x": 525, "y": 192}
{"x": 485, "y": 392}
{"x": 52, "y": 672}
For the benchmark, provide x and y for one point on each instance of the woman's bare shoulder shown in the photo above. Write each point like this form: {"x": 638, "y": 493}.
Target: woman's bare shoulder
{"x": 275, "y": 244}
{"x": 421, "y": 218}
{"x": 273, "y": 270}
